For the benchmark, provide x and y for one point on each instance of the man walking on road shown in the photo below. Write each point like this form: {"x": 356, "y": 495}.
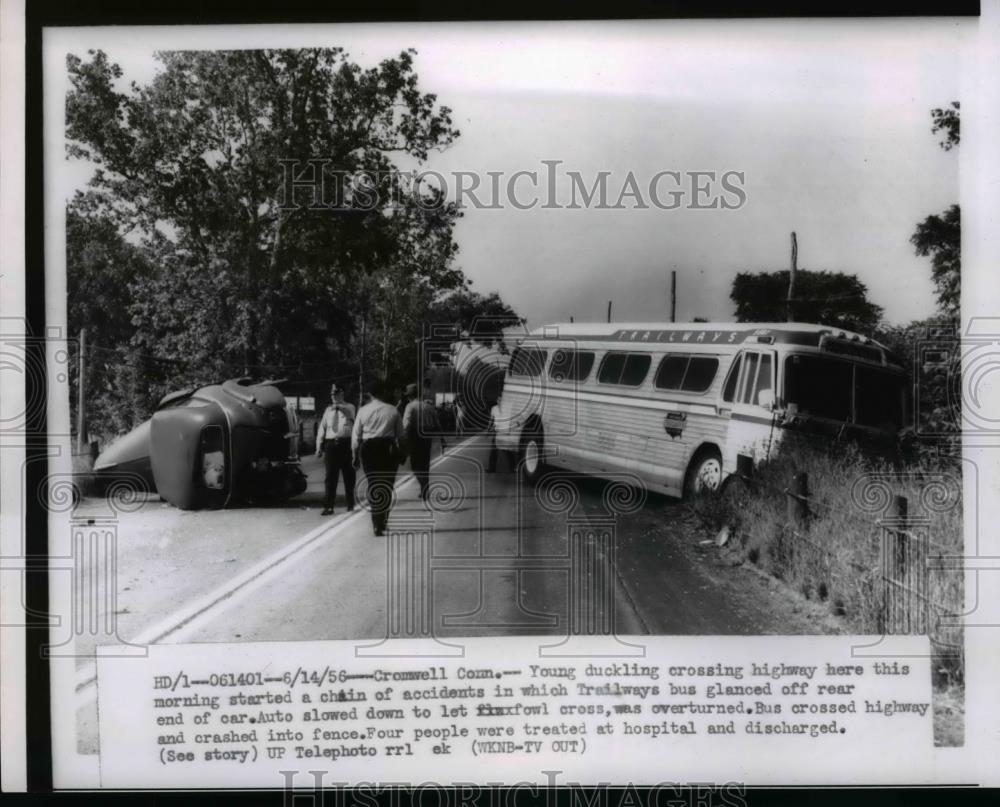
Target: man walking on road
{"x": 376, "y": 442}
{"x": 333, "y": 443}
{"x": 420, "y": 425}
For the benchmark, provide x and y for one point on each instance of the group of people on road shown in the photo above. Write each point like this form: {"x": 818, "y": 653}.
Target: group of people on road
{"x": 378, "y": 438}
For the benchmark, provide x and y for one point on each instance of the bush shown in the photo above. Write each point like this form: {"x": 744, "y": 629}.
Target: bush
{"x": 835, "y": 557}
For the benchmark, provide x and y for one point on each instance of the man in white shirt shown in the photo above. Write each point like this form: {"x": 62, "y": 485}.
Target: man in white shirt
{"x": 333, "y": 443}
{"x": 376, "y": 440}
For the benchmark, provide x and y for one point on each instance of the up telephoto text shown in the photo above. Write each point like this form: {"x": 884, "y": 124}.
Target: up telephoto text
{"x": 540, "y": 709}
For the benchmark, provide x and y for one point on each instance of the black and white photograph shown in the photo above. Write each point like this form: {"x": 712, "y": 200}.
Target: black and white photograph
{"x": 627, "y": 355}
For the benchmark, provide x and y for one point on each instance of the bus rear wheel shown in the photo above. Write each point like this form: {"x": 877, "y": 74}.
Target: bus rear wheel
{"x": 532, "y": 451}
{"x": 704, "y": 474}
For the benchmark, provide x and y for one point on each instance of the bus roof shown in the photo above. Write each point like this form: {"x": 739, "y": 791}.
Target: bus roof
{"x": 786, "y": 332}
{"x": 704, "y": 334}
{"x": 602, "y": 329}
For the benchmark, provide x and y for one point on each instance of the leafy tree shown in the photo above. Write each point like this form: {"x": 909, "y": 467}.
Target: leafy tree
{"x": 103, "y": 267}
{"x": 947, "y": 121}
{"x": 827, "y": 298}
{"x": 198, "y": 162}
{"x": 481, "y": 316}
{"x": 930, "y": 350}
{"x": 940, "y": 236}
{"x": 249, "y": 268}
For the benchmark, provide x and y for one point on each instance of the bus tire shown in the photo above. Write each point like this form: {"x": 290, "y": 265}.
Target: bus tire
{"x": 704, "y": 473}
{"x": 532, "y": 453}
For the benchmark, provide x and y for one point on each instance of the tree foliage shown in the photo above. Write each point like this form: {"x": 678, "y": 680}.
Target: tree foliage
{"x": 947, "y": 121}
{"x": 103, "y": 268}
{"x": 823, "y": 297}
{"x": 193, "y": 170}
{"x": 930, "y": 349}
{"x": 481, "y": 316}
{"x": 940, "y": 236}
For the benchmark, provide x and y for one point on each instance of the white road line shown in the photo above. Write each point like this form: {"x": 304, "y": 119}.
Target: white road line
{"x": 253, "y": 578}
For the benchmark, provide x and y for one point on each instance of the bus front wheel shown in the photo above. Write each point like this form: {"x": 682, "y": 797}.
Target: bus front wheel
{"x": 532, "y": 448}
{"x": 704, "y": 473}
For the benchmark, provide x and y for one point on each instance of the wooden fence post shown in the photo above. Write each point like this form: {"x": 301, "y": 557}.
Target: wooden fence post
{"x": 798, "y": 501}
{"x": 898, "y": 516}
{"x": 895, "y": 613}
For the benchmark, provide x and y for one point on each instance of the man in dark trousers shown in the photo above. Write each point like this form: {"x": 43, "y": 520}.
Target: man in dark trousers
{"x": 376, "y": 441}
{"x": 333, "y": 443}
{"x": 420, "y": 425}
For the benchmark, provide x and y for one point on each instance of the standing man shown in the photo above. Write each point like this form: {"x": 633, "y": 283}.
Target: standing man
{"x": 376, "y": 441}
{"x": 420, "y": 425}
{"x": 333, "y": 443}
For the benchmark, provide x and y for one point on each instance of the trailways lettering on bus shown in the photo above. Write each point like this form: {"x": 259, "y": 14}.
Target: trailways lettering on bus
{"x": 728, "y": 337}
{"x": 534, "y": 709}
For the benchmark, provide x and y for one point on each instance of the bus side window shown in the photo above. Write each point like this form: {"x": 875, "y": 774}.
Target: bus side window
{"x": 734, "y": 376}
{"x": 611, "y": 368}
{"x": 527, "y": 361}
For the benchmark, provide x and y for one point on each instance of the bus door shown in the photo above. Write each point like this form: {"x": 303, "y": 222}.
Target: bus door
{"x": 749, "y": 394}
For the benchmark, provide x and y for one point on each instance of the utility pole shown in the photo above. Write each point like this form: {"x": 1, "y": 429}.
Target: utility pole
{"x": 673, "y": 295}
{"x": 609, "y": 310}
{"x": 790, "y": 302}
{"x": 81, "y": 417}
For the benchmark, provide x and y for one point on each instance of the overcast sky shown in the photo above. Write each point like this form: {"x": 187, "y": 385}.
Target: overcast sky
{"x": 828, "y": 121}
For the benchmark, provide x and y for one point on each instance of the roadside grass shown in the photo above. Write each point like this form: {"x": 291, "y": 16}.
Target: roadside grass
{"x": 835, "y": 556}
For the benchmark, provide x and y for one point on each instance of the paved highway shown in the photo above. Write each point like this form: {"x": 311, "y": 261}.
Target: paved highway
{"x": 490, "y": 556}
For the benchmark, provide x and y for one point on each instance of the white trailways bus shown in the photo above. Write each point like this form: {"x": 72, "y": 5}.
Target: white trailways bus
{"x": 675, "y": 404}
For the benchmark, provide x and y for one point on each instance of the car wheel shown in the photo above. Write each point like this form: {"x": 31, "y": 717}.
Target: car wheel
{"x": 532, "y": 453}
{"x": 704, "y": 473}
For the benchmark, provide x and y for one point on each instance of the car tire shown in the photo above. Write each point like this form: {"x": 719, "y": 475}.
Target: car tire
{"x": 532, "y": 454}
{"x": 704, "y": 474}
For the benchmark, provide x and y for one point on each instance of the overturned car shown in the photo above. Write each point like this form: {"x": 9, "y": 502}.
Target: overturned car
{"x": 235, "y": 442}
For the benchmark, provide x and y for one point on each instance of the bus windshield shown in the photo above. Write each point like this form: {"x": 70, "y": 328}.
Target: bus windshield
{"x": 847, "y": 392}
